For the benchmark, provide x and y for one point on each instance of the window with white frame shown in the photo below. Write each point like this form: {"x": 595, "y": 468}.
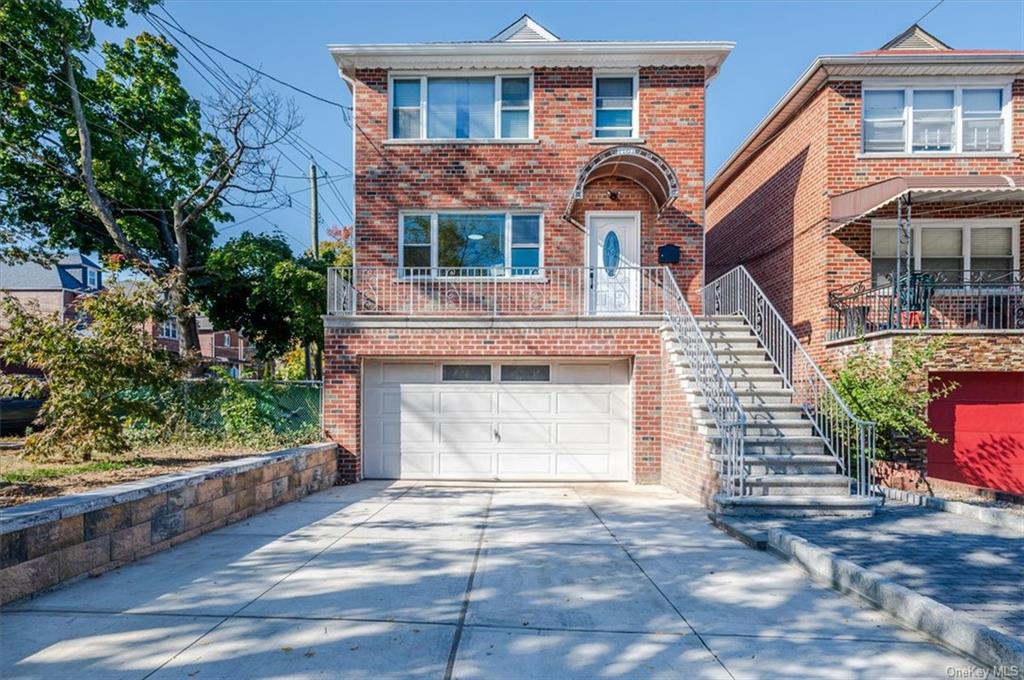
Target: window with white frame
{"x": 936, "y": 119}
{"x": 462, "y": 107}
{"x": 92, "y": 278}
{"x": 168, "y": 329}
{"x": 470, "y": 244}
{"x": 615, "y": 105}
{"x": 952, "y": 251}
{"x": 227, "y": 340}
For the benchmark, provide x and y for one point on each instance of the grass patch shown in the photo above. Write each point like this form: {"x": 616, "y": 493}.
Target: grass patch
{"x": 43, "y": 473}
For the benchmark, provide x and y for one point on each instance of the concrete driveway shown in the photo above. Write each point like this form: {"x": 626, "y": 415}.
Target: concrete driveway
{"x": 400, "y": 580}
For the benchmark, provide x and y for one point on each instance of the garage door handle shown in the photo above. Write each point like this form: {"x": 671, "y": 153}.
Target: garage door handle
{"x": 497, "y": 436}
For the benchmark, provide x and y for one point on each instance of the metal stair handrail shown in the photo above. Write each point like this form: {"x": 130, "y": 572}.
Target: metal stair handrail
{"x": 850, "y": 440}
{"x": 719, "y": 395}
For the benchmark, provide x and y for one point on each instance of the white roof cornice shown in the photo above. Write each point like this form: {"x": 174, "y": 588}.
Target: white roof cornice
{"x": 491, "y": 55}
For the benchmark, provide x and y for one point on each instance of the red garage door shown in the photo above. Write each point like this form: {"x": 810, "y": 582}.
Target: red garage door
{"x": 982, "y": 422}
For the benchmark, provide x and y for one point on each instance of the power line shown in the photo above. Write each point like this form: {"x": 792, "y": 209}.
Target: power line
{"x": 252, "y": 68}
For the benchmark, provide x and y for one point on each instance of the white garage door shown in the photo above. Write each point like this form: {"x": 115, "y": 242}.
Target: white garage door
{"x": 513, "y": 420}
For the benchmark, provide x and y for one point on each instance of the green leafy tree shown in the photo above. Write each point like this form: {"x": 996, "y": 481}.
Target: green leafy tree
{"x": 119, "y": 158}
{"x": 893, "y": 391}
{"x": 98, "y": 384}
{"x": 256, "y": 285}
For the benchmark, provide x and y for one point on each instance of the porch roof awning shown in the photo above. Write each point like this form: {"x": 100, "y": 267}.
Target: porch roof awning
{"x": 635, "y": 163}
{"x": 852, "y": 205}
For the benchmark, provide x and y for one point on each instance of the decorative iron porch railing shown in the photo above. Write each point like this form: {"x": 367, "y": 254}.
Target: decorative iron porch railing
{"x": 496, "y": 291}
{"x": 849, "y": 439}
{"x": 943, "y": 300}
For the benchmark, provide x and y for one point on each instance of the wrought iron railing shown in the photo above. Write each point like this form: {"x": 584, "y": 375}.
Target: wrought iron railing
{"x": 495, "y": 291}
{"x": 849, "y": 439}
{"x": 719, "y": 396}
{"x": 943, "y": 300}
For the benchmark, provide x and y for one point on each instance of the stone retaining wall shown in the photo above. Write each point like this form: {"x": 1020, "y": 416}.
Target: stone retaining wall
{"x": 59, "y": 539}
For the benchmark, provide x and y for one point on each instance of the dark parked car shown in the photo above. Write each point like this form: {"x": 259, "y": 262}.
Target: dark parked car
{"x": 17, "y": 414}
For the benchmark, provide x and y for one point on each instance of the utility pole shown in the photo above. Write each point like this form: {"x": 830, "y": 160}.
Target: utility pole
{"x": 314, "y": 226}
{"x": 314, "y": 217}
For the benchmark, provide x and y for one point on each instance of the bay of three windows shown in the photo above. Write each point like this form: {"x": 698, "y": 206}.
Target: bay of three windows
{"x": 497, "y": 107}
{"x": 950, "y": 251}
{"x": 935, "y": 120}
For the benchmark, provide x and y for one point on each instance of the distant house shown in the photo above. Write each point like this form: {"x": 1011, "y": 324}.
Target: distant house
{"x": 227, "y": 349}
{"x": 53, "y": 288}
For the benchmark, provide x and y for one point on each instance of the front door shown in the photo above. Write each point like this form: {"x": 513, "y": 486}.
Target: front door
{"x": 613, "y": 256}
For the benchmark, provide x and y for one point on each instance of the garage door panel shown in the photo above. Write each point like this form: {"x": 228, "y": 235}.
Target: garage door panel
{"x": 583, "y": 402}
{"x": 525, "y": 433}
{"x": 468, "y": 464}
{"x": 430, "y": 429}
{"x": 517, "y": 403}
{"x": 459, "y": 403}
{"x": 582, "y": 464}
{"x": 584, "y": 433}
{"x": 524, "y": 463}
{"x": 455, "y": 434}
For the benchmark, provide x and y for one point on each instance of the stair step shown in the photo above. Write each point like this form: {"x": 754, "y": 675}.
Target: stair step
{"x": 796, "y": 485}
{"x": 793, "y": 464}
{"x": 734, "y": 368}
{"x": 753, "y": 351}
{"x": 779, "y": 427}
{"x": 797, "y": 506}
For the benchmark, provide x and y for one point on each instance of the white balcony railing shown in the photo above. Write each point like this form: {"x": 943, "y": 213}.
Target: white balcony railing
{"x": 496, "y": 291}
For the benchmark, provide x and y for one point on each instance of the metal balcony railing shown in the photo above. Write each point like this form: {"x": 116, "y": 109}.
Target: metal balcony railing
{"x": 495, "y": 291}
{"x": 942, "y": 300}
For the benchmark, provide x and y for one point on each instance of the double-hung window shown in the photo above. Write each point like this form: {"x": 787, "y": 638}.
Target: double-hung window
{"x": 92, "y": 278}
{"x": 461, "y": 107}
{"x": 168, "y": 329}
{"x": 615, "y": 105}
{"x": 936, "y": 119}
{"x": 951, "y": 251}
{"x": 470, "y": 244}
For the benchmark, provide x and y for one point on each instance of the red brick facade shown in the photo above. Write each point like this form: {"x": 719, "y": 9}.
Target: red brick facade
{"x": 540, "y": 174}
{"x": 773, "y": 215}
{"x": 537, "y": 175}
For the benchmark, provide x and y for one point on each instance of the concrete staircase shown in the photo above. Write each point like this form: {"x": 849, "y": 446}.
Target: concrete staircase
{"x": 789, "y": 472}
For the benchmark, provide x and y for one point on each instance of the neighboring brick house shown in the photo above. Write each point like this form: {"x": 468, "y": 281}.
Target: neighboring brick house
{"x": 55, "y": 288}
{"x": 915, "y": 144}
{"x": 227, "y": 349}
{"x": 512, "y": 198}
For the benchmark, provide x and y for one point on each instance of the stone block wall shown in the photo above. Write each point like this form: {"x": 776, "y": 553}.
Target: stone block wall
{"x": 47, "y": 543}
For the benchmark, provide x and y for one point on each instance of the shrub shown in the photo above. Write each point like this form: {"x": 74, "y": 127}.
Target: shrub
{"x": 99, "y": 381}
{"x": 894, "y": 392}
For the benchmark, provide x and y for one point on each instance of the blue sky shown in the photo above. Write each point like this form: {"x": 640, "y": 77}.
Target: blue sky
{"x": 775, "y": 42}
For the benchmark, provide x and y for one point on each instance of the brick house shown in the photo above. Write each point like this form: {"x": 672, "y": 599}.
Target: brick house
{"x": 226, "y": 349}
{"x": 881, "y": 200}
{"x": 511, "y": 198}
{"x": 54, "y": 289}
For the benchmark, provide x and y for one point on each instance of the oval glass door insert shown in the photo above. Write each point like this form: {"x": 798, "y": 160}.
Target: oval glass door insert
{"x": 611, "y": 254}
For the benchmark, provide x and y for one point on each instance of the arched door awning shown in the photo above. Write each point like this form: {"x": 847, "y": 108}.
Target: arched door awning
{"x": 635, "y": 163}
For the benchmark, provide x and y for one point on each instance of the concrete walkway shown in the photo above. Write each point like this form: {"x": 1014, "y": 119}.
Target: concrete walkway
{"x": 406, "y": 581}
{"x": 965, "y": 564}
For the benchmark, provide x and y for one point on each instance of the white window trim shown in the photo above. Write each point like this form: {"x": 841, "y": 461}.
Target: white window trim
{"x": 226, "y": 342}
{"x": 966, "y": 226}
{"x": 434, "y": 267}
{"x": 168, "y": 329}
{"x": 635, "y": 133}
{"x": 958, "y": 87}
{"x": 423, "y": 76}
{"x": 92, "y": 278}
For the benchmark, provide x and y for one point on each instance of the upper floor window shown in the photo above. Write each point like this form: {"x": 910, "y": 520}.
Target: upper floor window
{"x": 227, "y": 340}
{"x": 615, "y": 105}
{"x": 470, "y": 244}
{"x": 490, "y": 107}
{"x": 92, "y": 278}
{"x": 168, "y": 329}
{"x": 935, "y": 120}
{"x": 951, "y": 251}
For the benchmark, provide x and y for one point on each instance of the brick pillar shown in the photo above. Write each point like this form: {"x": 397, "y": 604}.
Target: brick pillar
{"x": 342, "y": 404}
